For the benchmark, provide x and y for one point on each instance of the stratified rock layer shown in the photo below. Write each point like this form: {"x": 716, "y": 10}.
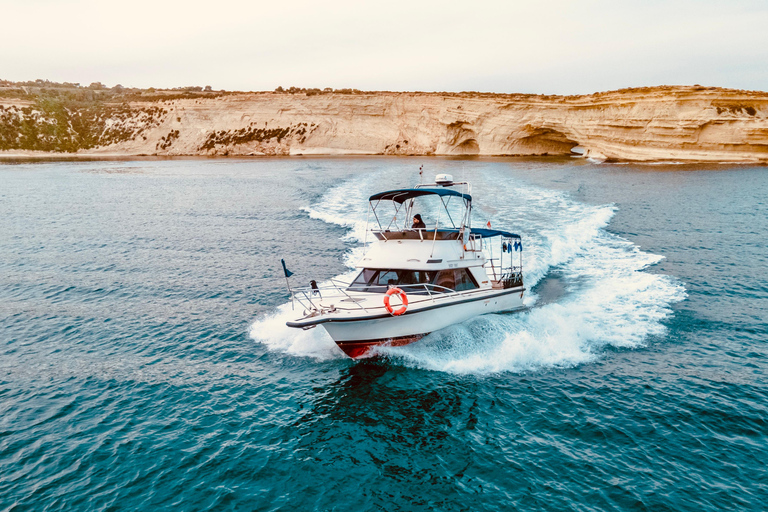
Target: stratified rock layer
{"x": 658, "y": 123}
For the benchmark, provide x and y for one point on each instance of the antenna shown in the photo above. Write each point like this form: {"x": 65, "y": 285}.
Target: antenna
{"x": 421, "y": 174}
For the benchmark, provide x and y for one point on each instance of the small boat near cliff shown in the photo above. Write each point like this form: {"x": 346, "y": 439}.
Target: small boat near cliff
{"x": 416, "y": 279}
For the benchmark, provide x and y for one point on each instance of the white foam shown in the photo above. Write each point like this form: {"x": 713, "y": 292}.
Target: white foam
{"x": 273, "y": 333}
{"x": 611, "y": 298}
{"x": 344, "y": 205}
{"x": 618, "y": 306}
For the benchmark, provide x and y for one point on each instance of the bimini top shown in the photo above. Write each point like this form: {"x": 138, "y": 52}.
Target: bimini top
{"x": 400, "y": 196}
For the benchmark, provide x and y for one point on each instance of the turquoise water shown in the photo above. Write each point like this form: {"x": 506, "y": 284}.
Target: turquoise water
{"x": 145, "y": 365}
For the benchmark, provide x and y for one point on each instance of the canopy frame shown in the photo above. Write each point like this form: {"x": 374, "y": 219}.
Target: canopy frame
{"x": 406, "y": 197}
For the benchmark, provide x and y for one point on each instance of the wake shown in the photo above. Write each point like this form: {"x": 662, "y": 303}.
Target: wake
{"x": 610, "y": 297}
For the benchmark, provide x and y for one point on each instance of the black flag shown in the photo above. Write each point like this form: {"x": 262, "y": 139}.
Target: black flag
{"x": 288, "y": 273}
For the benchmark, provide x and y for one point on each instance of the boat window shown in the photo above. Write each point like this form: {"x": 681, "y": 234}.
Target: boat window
{"x": 463, "y": 280}
{"x": 445, "y": 279}
{"x": 379, "y": 281}
{"x": 456, "y": 279}
{"x": 411, "y": 281}
{"x": 364, "y": 278}
{"x": 388, "y": 277}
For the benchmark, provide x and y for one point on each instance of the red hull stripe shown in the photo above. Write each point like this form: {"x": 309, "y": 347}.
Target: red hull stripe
{"x": 360, "y": 349}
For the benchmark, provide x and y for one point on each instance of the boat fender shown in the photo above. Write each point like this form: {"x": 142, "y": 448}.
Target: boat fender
{"x": 403, "y": 297}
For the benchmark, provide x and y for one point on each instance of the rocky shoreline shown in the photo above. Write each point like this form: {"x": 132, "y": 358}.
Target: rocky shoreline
{"x": 680, "y": 123}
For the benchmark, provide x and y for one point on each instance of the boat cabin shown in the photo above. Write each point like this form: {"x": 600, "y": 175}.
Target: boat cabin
{"x": 436, "y": 273}
{"x": 446, "y": 260}
{"x": 446, "y": 255}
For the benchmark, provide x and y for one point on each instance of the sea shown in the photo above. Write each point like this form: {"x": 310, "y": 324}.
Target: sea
{"x": 145, "y": 363}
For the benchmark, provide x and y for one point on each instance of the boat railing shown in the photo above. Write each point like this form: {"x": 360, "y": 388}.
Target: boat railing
{"x": 416, "y": 288}
{"x": 506, "y": 268}
{"x": 309, "y": 297}
{"x": 500, "y": 263}
{"x": 512, "y": 277}
{"x": 417, "y": 234}
{"x": 475, "y": 243}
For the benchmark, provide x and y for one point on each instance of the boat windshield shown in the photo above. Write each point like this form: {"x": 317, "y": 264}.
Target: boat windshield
{"x": 420, "y": 282}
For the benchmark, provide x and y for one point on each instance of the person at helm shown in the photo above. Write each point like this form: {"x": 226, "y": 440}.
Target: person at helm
{"x": 418, "y": 223}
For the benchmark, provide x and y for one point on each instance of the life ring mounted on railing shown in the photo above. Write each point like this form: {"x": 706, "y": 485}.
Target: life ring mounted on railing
{"x": 403, "y": 298}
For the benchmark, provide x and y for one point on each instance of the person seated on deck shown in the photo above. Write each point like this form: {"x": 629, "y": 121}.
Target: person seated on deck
{"x": 418, "y": 223}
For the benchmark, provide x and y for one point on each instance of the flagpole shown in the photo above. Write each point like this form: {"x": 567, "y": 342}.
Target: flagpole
{"x": 288, "y": 274}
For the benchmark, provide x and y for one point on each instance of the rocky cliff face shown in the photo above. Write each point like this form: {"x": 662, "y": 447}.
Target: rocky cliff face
{"x": 659, "y": 123}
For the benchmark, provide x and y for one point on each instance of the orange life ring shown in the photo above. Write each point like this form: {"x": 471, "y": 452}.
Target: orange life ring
{"x": 403, "y": 297}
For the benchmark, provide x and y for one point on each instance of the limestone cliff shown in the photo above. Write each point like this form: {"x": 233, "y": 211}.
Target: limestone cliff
{"x": 659, "y": 123}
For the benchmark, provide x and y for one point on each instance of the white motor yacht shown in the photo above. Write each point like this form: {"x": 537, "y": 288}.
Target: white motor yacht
{"x": 417, "y": 280}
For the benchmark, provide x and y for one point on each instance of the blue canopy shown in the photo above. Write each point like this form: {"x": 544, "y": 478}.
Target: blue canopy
{"x": 400, "y": 196}
{"x": 488, "y": 233}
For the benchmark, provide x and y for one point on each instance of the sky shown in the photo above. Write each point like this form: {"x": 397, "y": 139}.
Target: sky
{"x": 548, "y": 47}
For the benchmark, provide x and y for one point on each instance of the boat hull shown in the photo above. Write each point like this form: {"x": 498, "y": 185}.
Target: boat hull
{"x": 358, "y": 338}
{"x": 365, "y": 348}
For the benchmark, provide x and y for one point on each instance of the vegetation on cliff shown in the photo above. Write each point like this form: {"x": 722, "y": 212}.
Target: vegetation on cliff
{"x": 250, "y": 134}
{"x": 66, "y": 117}
{"x": 53, "y": 124}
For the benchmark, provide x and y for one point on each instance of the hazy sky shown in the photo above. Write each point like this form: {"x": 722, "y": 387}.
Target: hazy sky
{"x": 514, "y": 46}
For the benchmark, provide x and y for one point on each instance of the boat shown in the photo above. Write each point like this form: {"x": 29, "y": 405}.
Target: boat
{"x": 412, "y": 281}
